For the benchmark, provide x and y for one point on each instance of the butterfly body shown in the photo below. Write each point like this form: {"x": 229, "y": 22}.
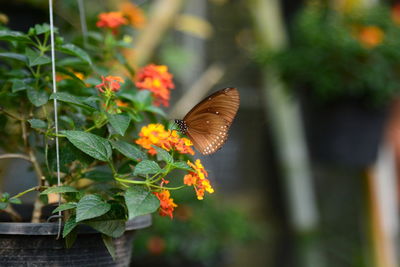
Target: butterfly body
{"x": 208, "y": 122}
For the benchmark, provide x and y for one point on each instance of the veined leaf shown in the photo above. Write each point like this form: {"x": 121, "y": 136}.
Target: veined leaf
{"x": 91, "y": 206}
{"x": 140, "y": 201}
{"x": 93, "y": 145}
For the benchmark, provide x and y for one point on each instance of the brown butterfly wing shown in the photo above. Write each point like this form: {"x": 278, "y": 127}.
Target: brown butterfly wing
{"x": 224, "y": 103}
{"x": 209, "y": 121}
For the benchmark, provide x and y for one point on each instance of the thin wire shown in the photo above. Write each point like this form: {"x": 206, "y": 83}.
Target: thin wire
{"x": 53, "y": 69}
{"x": 82, "y": 17}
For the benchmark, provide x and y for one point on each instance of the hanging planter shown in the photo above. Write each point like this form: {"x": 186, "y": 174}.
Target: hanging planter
{"x": 36, "y": 243}
{"x": 344, "y": 133}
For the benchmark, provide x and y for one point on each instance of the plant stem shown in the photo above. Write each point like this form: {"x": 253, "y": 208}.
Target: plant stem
{"x": 15, "y": 156}
{"x": 147, "y": 183}
{"x": 15, "y": 217}
{"x": 130, "y": 181}
{"x": 2, "y": 110}
{"x": 95, "y": 126}
{"x": 114, "y": 171}
{"x": 37, "y": 207}
{"x": 53, "y": 134}
{"x": 36, "y": 188}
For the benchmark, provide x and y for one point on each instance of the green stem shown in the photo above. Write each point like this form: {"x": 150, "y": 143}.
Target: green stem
{"x": 36, "y": 188}
{"x": 95, "y": 126}
{"x": 58, "y": 135}
{"x": 130, "y": 181}
{"x": 167, "y": 188}
{"x": 148, "y": 184}
{"x": 112, "y": 167}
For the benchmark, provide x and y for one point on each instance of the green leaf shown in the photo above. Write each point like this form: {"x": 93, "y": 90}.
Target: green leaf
{"x": 37, "y": 97}
{"x": 75, "y": 51}
{"x": 68, "y": 98}
{"x": 182, "y": 166}
{"x": 99, "y": 176}
{"x": 35, "y": 58}
{"x": 42, "y": 28}
{"x": 16, "y": 56}
{"x": 3, "y": 205}
{"x": 69, "y": 225}
{"x": 108, "y": 242}
{"x": 91, "y": 144}
{"x": 163, "y": 154}
{"x": 136, "y": 116}
{"x": 146, "y": 167}
{"x": 13, "y": 36}
{"x": 142, "y": 99}
{"x": 44, "y": 199}
{"x": 113, "y": 228}
{"x": 155, "y": 110}
{"x": 120, "y": 122}
{"x": 60, "y": 190}
{"x": 128, "y": 150}
{"x": 91, "y": 206}
{"x": 19, "y": 85}
{"x": 65, "y": 206}
{"x": 39, "y": 124}
{"x": 15, "y": 201}
{"x": 70, "y": 238}
{"x": 140, "y": 201}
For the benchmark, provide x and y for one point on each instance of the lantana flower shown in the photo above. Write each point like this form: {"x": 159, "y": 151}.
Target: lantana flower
{"x": 111, "y": 20}
{"x": 167, "y": 204}
{"x": 370, "y": 36}
{"x": 198, "y": 179}
{"x": 133, "y": 13}
{"x": 110, "y": 84}
{"x": 156, "y": 79}
{"x": 155, "y": 134}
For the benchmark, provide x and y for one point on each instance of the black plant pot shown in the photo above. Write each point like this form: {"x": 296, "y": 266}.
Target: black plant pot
{"x": 35, "y": 244}
{"x": 344, "y": 133}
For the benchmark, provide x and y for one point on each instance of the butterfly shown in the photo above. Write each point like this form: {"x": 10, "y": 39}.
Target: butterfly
{"x": 207, "y": 123}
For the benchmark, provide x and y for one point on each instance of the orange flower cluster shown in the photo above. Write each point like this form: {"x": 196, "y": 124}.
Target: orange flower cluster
{"x": 111, "y": 20}
{"x": 198, "y": 179}
{"x": 155, "y": 134}
{"x": 158, "y": 80}
{"x": 110, "y": 84}
{"x": 370, "y": 36}
{"x": 167, "y": 204}
{"x": 133, "y": 13}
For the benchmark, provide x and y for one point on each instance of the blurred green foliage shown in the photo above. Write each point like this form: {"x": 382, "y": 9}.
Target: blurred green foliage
{"x": 201, "y": 234}
{"x": 335, "y": 55}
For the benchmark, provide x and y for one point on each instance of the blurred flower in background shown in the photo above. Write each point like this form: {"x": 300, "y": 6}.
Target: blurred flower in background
{"x": 111, "y": 20}
{"x": 370, "y": 36}
{"x": 158, "y": 80}
{"x": 133, "y": 14}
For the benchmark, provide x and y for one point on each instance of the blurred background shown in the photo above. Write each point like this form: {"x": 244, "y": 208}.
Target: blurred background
{"x": 309, "y": 175}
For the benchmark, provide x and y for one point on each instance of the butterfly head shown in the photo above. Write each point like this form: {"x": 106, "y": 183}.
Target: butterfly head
{"x": 182, "y": 126}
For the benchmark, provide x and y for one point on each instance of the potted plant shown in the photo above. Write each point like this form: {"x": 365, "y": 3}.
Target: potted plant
{"x": 116, "y": 151}
{"x": 345, "y": 68}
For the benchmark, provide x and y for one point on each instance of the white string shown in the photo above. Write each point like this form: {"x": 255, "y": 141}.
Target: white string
{"x": 82, "y": 17}
{"x": 53, "y": 69}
